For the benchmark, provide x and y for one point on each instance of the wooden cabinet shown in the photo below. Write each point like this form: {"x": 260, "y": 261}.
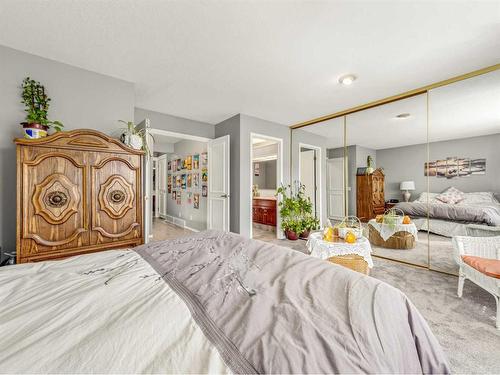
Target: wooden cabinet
{"x": 77, "y": 192}
{"x": 370, "y": 199}
{"x": 264, "y": 211}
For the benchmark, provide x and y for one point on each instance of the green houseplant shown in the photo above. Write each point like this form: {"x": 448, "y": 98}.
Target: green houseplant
{"x": 36, "y": 105}
{"x": 297, "y": 219}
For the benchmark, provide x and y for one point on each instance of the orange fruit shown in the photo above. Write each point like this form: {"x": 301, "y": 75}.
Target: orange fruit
{"x": 350, "y": 237}
{"x": 406, "y": 220}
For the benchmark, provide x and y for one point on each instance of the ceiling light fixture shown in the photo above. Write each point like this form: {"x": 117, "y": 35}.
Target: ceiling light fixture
{"x": 403, "y": 116}
{"x": 347, "y": 80}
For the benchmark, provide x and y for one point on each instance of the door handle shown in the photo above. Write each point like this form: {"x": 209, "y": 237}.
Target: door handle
{"x": 224, "y": 196}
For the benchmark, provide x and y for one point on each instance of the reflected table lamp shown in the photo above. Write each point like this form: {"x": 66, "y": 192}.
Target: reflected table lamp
{"x": 406, "y": 187}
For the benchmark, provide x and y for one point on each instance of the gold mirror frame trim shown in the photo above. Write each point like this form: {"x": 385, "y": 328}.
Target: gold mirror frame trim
{"x": 404, "y": 95}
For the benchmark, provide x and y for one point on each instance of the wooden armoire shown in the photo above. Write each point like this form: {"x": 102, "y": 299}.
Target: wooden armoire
{"x": 370, "y": 199}
{"x": 77, "y": 192}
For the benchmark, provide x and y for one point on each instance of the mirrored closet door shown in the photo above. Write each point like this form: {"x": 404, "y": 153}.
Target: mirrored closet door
{"x": 387, "y": 147}
{"x": 464, "y": 164}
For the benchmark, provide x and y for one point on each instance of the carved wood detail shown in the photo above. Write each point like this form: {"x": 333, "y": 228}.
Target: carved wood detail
{"x": 116, "y": 187}
{"x": 56, "y": 198}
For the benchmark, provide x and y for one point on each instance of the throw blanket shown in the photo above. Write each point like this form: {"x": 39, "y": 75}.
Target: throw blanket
{"x": 270, "y": 309}
{"x": 488, "y": 215}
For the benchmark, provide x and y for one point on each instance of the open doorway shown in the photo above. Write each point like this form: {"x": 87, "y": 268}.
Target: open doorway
{"x": 266, "y": 175}
{"x": 310, "y": 175}
{"x": 179, "y": 184}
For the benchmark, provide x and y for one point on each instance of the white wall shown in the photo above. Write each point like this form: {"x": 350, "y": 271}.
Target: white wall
{"x": 80, "y": 99}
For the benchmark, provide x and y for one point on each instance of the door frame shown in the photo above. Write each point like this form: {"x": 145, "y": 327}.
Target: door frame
{"x": 319, "y": 166}
{"x": 154, "y": 186}
{"x": 279, "y": 180}
{"x": 148, "y": 166}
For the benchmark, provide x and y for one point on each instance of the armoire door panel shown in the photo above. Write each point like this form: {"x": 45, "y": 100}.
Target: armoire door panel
{"x": 54, "y": 213}
{"x": 115, "y": 212}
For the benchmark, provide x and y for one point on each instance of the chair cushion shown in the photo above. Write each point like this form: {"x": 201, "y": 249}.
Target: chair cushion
{"x": 490, "y": 267}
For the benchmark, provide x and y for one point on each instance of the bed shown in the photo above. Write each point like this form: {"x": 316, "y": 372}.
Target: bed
{"x": 451, "y": 219}
{"x": 213, "y": 302}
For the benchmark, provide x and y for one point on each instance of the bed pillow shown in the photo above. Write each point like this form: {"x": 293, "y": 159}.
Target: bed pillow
{"x": 479, "y": 197}
{"x": 430, "y": 196}
{"x": 451, "y": 196}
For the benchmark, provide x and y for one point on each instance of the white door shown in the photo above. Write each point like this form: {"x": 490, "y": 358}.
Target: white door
{"x": 218, "y": 184}
{"x": 147, "y": 182}
{"x": 335, "y": 188}
{"x": 161, "y": 194}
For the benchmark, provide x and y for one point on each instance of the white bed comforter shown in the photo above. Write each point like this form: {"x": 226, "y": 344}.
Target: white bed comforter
{"x": 132, "y": 321}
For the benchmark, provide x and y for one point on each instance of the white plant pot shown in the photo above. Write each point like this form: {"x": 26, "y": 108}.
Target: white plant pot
{"x": 133, "y": 140}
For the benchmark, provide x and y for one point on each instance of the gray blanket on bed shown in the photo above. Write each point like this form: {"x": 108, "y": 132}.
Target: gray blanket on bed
{"x": 488, "y": 215}
{"x": 270, "y": 309}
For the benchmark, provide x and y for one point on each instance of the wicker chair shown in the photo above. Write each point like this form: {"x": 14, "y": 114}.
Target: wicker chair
{"x": 484, "y": 247}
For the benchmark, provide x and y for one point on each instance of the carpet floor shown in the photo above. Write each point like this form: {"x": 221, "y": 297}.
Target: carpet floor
{"x": 465, "y": 326}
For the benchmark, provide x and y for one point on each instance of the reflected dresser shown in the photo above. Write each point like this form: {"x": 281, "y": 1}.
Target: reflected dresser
{"x": 370, "y": 196}
{"x": 77, "y": 192}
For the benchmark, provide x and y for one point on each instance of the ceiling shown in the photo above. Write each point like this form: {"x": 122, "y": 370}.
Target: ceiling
{"x": 463, "y": 109}
{"x": 277, "y": 60}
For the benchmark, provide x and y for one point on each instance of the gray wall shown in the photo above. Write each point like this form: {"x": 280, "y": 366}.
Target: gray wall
{"x": 80, "y": 99}
{"x": 239, "y": 128}
{"x": 407, "y": 163}
{"x": 195, "y": 218}
{"x": 174, "y": 123}
{"x": 231, "y": 127}
{"x": 267, "y": 174}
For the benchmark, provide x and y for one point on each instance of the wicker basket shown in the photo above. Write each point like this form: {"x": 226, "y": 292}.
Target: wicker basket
{"x": 399, "y": 240}
{"x": 351, "y": 261}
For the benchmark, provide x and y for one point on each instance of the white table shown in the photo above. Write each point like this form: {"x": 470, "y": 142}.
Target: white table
{"x": 324, "y": 249}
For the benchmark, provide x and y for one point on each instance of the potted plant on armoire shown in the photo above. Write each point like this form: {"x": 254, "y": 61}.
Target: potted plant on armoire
{"x": 36, "y": 105}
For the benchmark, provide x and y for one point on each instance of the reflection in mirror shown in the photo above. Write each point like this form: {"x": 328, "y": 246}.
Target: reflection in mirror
{"x": 324, "y": 177}
{"x": 464, "y": 165}
{"x": 386, "y": 147}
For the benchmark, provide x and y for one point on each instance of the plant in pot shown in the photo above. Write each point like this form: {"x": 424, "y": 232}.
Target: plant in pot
{"x": 134, "y": 137}
{"x": 36, "y": 105}
{"x": 296, "y": 211}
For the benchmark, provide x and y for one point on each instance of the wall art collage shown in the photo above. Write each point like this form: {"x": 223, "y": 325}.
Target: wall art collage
{"x": 188, "y": 178}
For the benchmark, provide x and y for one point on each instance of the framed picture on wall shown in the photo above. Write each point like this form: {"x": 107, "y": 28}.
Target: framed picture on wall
{"x": 196, "y": 200}
{"x": 204, "y": 175}
{"x": 179, "y": 165}
{"x": 184, "y": 181}
{"x": 189, "y": 198}
{"x": 204, "y": 159}
{"x": 178, "y": 181}
{"x": 174, "y": 195}
{"x": 204, "y": 191}
{"x": 196, "y": 180}
{"x": 189, "y": 162}
{"x": 189, "y": 180}
{"x": 169, "y": 166}
{"x": 196, "y": 161}
{"x": 179, "y": 199}
{"x": 478, "y": 166}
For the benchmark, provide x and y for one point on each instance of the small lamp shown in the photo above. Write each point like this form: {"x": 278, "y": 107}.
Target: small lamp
{"x": 406, "y": 186}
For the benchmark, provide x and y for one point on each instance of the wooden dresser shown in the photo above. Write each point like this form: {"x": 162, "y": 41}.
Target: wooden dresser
{"x": 77, "y": 192}
{"x": 370, "y": 200}
{"x": 264, "y": 210}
